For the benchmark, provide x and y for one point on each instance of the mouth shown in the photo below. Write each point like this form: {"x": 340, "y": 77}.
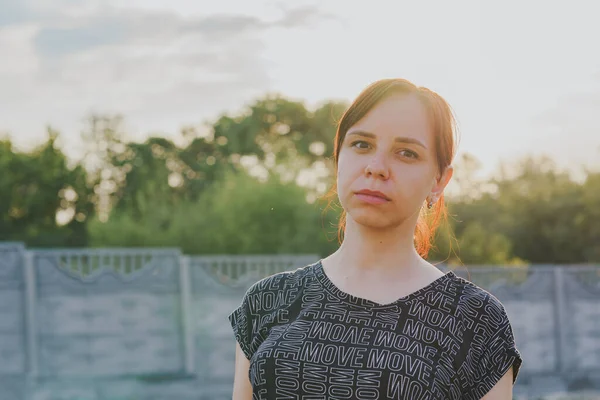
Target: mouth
{"x": 372, "y": 197}
{"x": 372, "y": 193}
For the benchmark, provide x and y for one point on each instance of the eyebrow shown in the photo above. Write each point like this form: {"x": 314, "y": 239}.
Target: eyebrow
{"x": 399, "y": 139}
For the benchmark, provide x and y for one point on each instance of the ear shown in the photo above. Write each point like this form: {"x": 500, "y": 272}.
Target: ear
{"x": 440, "y": 182}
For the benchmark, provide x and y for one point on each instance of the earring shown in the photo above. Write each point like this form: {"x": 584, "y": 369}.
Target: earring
{"x": 430, "y": 203}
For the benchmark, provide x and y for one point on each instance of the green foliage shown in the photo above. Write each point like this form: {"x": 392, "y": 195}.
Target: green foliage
{"x": 43, "y": 202}
{"x": 241, "y": 215}
{"x": 237, "y": 215}
{"x": 537, "y": 214}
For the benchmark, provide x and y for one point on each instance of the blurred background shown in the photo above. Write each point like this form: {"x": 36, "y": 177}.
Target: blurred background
{"x": 157, "y": 157}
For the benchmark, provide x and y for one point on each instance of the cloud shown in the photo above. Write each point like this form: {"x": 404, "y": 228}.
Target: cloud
{"x": 12, "y": 12}
{"x": 129, "y": 58}
{"x": 159, "y": 69}
{"x": 302, "y": 16}
{"x": 72, "y": 33}
{"x": 51, "y": 42}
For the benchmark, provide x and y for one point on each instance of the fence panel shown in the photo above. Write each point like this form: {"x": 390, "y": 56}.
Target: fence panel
{"x": 13, "y": 330}
{"x": 581, "y": 325}
{"x": 108, "y": 312}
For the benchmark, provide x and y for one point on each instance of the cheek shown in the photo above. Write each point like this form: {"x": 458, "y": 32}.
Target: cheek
{"x": 343, "y": 184}
{"x": 348, "y": 171}
{"x": 413, "y": 185}
{"x": 417, "y": 181}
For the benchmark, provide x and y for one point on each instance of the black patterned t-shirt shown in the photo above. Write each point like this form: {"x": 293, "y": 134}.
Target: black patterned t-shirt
{"x": 307, "y": 339}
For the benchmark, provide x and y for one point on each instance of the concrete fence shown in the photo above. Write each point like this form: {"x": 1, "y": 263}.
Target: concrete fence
{"x": 108, "y": 324}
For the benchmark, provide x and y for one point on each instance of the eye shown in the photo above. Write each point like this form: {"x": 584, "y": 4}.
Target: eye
{"x": 409, "y": 154}
{"x": 353, "y": 144}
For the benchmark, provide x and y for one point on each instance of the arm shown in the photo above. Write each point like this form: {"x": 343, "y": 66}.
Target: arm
{"x": 503, "y": 390}
{"x": 242, "y": 389}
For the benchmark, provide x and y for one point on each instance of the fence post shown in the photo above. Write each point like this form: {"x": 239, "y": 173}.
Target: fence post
{"x": 560, "y": 317}
{"x": 30, "y": 313}
{"x": 186, "y": 310}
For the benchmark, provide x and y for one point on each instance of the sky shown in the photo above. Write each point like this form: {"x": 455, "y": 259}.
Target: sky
{"x": 523, "y": 77}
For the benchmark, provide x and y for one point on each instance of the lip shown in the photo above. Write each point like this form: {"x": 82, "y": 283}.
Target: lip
{"x": 371, "y": 196}
{"x": 373, "y": 193}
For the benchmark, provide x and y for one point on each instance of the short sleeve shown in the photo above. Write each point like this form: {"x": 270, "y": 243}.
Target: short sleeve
{"x": 250, "y": 319}
{"x": 241, "y": 323}
{"x": 258, "y": 312}
{"x": 491, "y": 352}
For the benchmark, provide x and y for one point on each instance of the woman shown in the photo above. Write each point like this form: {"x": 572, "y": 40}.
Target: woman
{"x": 375, "y": 320}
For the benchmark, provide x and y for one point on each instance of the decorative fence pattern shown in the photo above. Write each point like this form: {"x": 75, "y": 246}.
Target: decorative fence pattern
{"x": 98, "y": 318}
{"x": 151, "y": 324}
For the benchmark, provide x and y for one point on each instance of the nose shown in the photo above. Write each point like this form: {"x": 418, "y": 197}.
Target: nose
{"x": 378, "y": 167}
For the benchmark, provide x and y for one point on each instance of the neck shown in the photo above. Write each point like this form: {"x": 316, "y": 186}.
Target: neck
{"x": 378, "y": 250}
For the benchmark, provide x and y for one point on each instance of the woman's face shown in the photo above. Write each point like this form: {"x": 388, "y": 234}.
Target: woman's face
{"x": 392, "y": 151}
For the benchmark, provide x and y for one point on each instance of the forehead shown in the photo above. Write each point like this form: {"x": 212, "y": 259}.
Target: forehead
{"x": 397, "y": 115}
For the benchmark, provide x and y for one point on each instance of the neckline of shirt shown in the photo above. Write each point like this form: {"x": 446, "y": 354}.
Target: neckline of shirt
{"x": 333, "y": 289}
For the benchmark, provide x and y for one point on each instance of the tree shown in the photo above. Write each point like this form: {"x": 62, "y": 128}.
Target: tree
{"x": 587, "y": 220}
{"x": 43, "y": 202}
{"x": 283, "y": 136}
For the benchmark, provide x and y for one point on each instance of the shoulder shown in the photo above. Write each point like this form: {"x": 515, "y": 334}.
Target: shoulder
{"x": 264, "y": 306}
{"x": 479, "y": 309}
{"x": 277, "y": 290}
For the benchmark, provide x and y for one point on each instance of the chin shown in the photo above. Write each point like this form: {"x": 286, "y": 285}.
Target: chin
{"x": 370, "y": 219}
